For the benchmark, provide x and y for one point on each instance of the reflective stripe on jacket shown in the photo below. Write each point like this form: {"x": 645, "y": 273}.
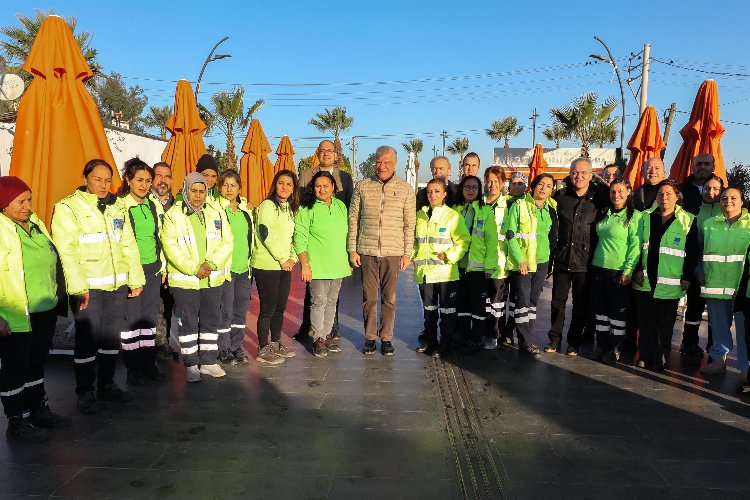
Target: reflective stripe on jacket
{"x": 724, "y": 251}
{"x": 500, "y": 208}
{"x": 97, "y": 250}
{"x": 443, "y": 231}
{"x": 181, "y": 249}
{"x": 483, "y": 239}
{"x": 520, "y": 232}
{"x": 671, "y": 254}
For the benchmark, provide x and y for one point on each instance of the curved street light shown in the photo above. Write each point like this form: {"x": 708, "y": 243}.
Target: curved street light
{"x": 211, "y": 58}
{"x": 611, "y": 61}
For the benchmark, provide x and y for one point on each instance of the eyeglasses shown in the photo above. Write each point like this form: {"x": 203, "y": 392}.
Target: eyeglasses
{"x": 472, "y": 187}
{"x": 327, "y": 150}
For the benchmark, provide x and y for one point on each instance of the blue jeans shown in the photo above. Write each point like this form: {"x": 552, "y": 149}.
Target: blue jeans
{"x": 721, "y": 315}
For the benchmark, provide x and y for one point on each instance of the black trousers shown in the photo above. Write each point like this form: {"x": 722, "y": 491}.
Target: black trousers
{"x": 528, "y": 288}
{"x": 22, "y": 357}
{"x": 631, "y": 322}
{"x": 164, "y": 320}
{"x": 139, "y": 326}
{"x": 235, "y": 301}
{"x": 440, "y": 303}
{"x": 199, "y": 318}
{"x": 494, "y": 311}
{"x": 97, "y": 341}
{"x": 471, "y": 304}
{"x": 656, "y": 319}
{"x": 610, "y": 305}
{"x": 305, "y": 326}
{"x": 273, "y": 293}
{"x": 693, "y": 315}
{"x": 562, "y": 283}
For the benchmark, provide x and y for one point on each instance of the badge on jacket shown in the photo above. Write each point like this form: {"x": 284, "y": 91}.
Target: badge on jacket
{"x": 118, "y": 224}
{"x": 217, "y": 224}
{"x": 677, "y": 240}
{"x": 442, "y": 229}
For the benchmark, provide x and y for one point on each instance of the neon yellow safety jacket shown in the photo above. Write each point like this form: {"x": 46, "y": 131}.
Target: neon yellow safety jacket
{"x": 707, "y": 211}
{"x": 98, "y": 250}
{"x": 499, "y": 208}
{"x": 14, "y": 303}
{"x": 483, "y": 243}
{"x": 521, "y": 222}
{"x": 181, "y": 249}
{"x": 671, "y": 254}
{"x": 724, "y": 251}
{"x": 443, "y": 231}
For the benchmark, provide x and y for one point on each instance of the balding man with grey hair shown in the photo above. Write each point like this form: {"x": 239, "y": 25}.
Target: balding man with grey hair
{"x": 382, "y": 217}
{"x": 440, "y": 166}
{"x": 653, "y": 173}
{"x": 578, "y": 205}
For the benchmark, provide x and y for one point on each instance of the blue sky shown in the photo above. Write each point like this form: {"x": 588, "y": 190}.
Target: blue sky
{"x": 460, "y": 65}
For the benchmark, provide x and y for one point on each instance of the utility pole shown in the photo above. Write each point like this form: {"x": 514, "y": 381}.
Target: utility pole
{"x": 434, "y": 151}
{"x": 354, "y": 153}
{"x": 533, "y": 118}
{"x": 668, "y": 126}
{"x": 644, "y": 77}
{"x": 444, "y": 134}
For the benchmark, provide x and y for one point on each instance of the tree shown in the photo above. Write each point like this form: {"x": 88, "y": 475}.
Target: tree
{"x": 367, "y": 167}
{"x": 739, "y": 177}
{"x": 555, "y": 133}
{"x": 506, "y": 129}
{"x": 334, "y": 121}
{"x": 459, "y": 146}
{"x": 156, "y": 118}
{"x": 115, "y": 100}
{"x": 605, "y": 132}
{"x": 414, "y": 146}
{"x": 20, "y": 39}
{"x": 229, "y": 116}
{"x": 583, "y": 117}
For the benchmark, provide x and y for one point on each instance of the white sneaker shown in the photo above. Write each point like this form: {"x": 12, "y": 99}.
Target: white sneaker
{"x": 212, "y": 370}
{"x": 715, "y": 367}
{"x": 193, "y": 374}
{"x": 489, "y": 343}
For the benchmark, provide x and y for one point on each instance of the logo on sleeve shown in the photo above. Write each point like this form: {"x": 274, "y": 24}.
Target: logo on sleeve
{"x": 677, "y": 240}
{"x": 217, "y": 224}
{"x": 118, "y": 224}
{"x": 442, "y": 230}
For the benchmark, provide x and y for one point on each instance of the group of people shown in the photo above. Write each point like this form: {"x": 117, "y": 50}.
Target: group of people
{"x": 481, "y": 257}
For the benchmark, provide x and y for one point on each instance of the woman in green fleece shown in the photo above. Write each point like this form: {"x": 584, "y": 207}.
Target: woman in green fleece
{"x": 139, "y": 329}
{"x": 320, "y": 230}
{"x": 615, "y": 257}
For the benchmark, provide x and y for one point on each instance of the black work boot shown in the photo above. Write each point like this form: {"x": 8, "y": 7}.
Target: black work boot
{"x": 45, "y": 417}
{"x": 22, "y": 430}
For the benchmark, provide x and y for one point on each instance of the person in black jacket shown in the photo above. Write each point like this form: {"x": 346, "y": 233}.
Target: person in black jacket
{"x": 440, "y": 166}
{"x": 703, "y": 168}
{"x": 578, "y": 204}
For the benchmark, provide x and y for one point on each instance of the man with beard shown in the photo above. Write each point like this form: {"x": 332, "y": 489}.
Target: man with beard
{"x": 161, "y": 191}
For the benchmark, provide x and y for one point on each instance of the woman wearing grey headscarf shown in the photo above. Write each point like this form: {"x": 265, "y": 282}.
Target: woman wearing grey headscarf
{"x": 198, "y": 244}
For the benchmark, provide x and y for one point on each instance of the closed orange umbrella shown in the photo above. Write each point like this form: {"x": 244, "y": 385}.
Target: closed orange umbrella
{"x": 186, "y": 145}
{"x": 701, "y": 134}
{"x": 537, "y": 163}
{"x": 315, "y": 161}
{"x": 646, "y": 143}
{"x": 256, "y": 169}
{"x": 285, "y": 153}
{"x": 58, "y": 127}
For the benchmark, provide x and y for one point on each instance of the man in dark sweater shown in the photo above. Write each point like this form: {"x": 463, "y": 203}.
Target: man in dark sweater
{"x": 703, "y": 168}
{"x": 440, "y": 166}
{"x": 653, "y": 173}
{"x": 578, "y": 205}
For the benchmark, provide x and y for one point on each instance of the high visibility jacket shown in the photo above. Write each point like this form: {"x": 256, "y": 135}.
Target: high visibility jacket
{"x": 443, "y": 231}
{"x": 14, "y": 303}
{"x": 181, "y": 248}
{"x": 520, "y": 232}
{"x": 671, "y": 254}
{"x": 618, "y": 246}
{"x": 158, "y": 212}
{"x": 724, "y": 251}
{"x": 499, "y": 208}
{"x": 249, "y": 216}
{"x": 98, "y": 250}
{"x": 483, "y": 238}
{"x": 707, "y": 211}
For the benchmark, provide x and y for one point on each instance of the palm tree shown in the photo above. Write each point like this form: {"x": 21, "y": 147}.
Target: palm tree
{"x": 414, "y": 146}
{"x": 555, "y": 133}
{"x": 20, "y": 39}
{"x": 605, "y": 132}
{"x": 334, "y": 121}
{"x": 583, "y": 117}
{"x": 459, "y": 146}
{"x": 229, "y": 114}
{"x": 506, "y": 129}
{"x": 156, "y": 118}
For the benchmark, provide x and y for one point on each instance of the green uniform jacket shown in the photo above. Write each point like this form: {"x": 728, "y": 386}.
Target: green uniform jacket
{"x": 14, "y": 303}
{"x": 671, "y": 254}
{"x": 98, "y": 250}
{"x": 445, "y": 231}
{"x": 321, "y": 231}
{"x": 158, "y": 210}
{"x": 274, "y": 231}
{"x": 724, "y": 251}
{"x": 249, "y": 216}
{"x": 618, "y": 246}
{"x": 181, "y": 249}
{"x": 707, "y": 211}
{"x": 500, "y": 208}
{"x": 520, "y": 230}
{"x": 483, "y": 243}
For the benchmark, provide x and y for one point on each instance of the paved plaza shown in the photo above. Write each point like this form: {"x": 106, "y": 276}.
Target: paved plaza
{"x": 496, "y": 425}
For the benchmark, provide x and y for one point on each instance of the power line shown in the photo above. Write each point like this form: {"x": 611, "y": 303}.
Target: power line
{"x": 722, "y": 121}
{"x": 672, "y": 63}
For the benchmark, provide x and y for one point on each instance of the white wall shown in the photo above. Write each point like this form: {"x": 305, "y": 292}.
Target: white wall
{"x": 6, "y": 146}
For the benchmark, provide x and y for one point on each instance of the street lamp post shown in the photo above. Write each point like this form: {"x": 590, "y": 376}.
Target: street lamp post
{"x": 211, "y": 58}
{"x": 611, "y": 60}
